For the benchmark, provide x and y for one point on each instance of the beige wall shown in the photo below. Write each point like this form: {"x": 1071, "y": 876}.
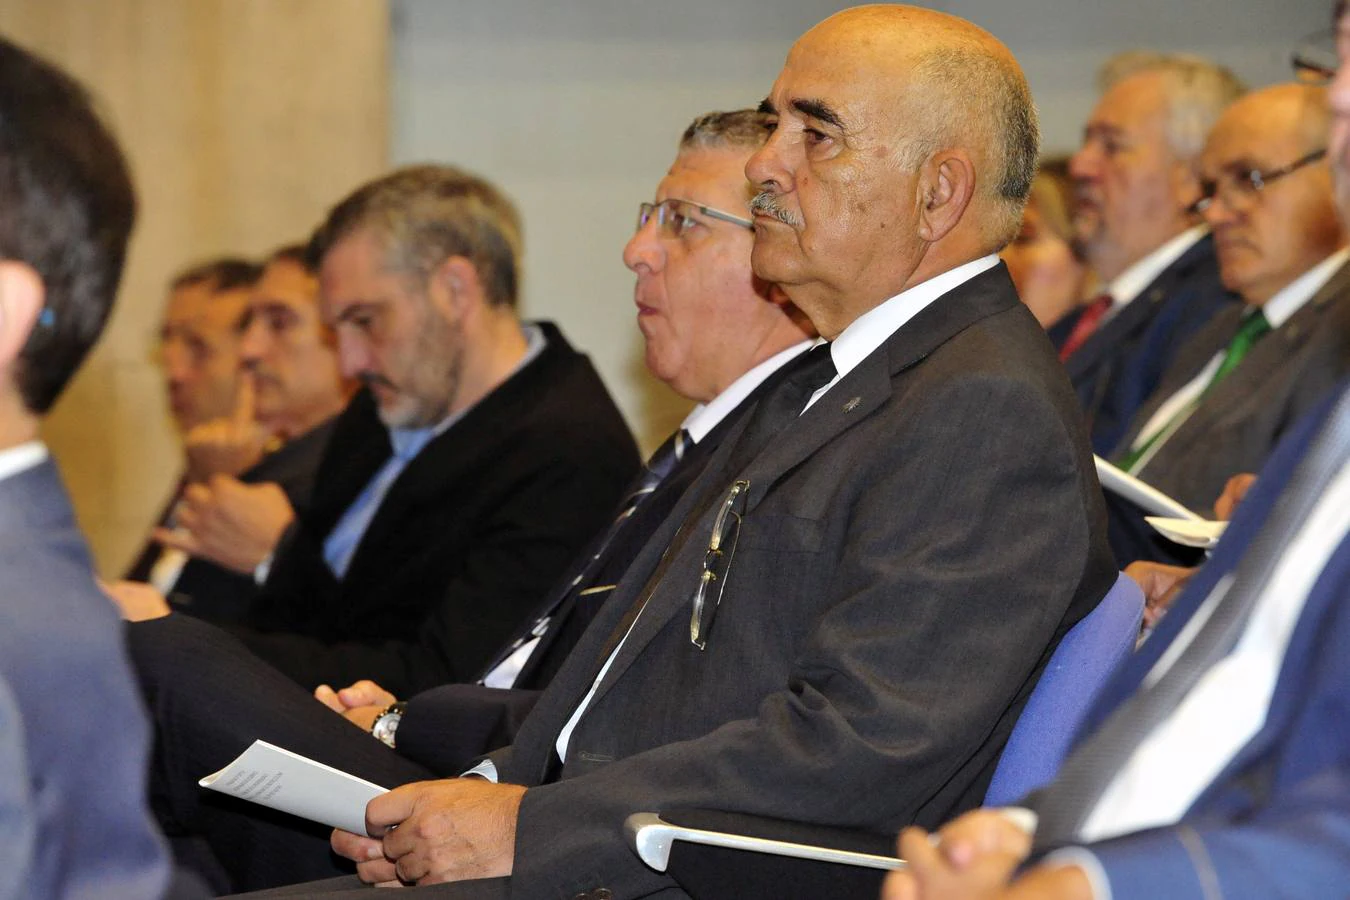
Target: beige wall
{"x": 243, "y": 121}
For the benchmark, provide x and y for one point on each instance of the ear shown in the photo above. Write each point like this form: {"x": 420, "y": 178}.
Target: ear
{"x": 946, "y": 186}
{"x": 21, "y": 298}
{"x": 1185, "y": 181}
{"x": 456, "y": 288}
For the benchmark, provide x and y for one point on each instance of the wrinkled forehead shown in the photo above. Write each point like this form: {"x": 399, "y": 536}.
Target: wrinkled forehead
{"x": 709, "y": 177}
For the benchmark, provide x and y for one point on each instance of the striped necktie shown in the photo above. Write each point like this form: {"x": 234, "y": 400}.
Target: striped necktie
{"x": 507, "y": 665}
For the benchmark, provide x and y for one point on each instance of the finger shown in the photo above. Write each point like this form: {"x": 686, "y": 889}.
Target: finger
{"x": 245, "y": 399}
{"x": 329, "y": 698}
{"x": 900, "y": 885}
{"x": 378, "y": 871}
{"x": 177, "y": 539}
{"x": 356, "y": 847}
{"x": 390, "y": 809}
{"x": 917, "y": 849}
{"x": 365, "y": 693}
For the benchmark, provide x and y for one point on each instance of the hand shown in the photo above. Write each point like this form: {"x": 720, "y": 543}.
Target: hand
{"x": 1232, "y": 495}
{"x": 449, "y": 830}
{"x": 228, "y": 522}
{"x": 137, "y": 602}
{"x": 228, "y": 445}
{"x": 1161, "y": 584}
{"x": 360, "y": 703}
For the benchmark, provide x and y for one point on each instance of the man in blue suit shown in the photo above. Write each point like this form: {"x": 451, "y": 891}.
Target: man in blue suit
{"x": 1134, "y": 185}
{"x": 73, "y": 736}
{"x": 1217, "y": 762}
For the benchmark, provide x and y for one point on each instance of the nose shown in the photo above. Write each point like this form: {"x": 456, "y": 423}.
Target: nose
{"x": 253, "y": 342}
{"x": 354, "y": 356}
{"x": 1083, "y": 164}
{"x": 175, "y": 359}
{"x": 1218, "y": 211}
{"x": 645, "y": 252}
{"x": 766, "y": 167}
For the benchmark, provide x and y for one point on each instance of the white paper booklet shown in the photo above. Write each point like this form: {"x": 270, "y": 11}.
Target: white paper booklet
{"x": 286, "y": 781}
{"x": 1187, "y": 532}
{"x": 1152, "y": 500}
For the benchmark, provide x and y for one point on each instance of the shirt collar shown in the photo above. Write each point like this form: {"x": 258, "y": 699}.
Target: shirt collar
{"x": 870, "y": 330}
{"x": 1131, "y": 283}
{"x": 705, "y": 417}
{"x": 25, "y": 456}
{"x": 408, "y": 442}
{"x": 1294, "y": 295}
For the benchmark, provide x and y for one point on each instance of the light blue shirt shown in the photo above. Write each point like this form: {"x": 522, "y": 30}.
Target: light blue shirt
{"x": 340, "y": 545}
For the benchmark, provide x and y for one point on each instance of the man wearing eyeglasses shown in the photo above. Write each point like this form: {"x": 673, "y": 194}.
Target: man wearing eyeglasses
{"x": 862, "y": 585}
{"x": 1255, "y": 369}
{"x": 1135, "y": 185}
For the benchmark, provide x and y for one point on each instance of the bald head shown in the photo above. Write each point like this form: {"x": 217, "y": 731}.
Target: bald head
{"x": 904, "y": 144}
{"x": 1270, "y": 229}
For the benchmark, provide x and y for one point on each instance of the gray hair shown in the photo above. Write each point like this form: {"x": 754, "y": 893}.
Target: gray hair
{"x": 423, "y": 215}
{"x": 740, "y": 128}
{"x": 1197, "y": 92}
{"x": 962, "y": 94}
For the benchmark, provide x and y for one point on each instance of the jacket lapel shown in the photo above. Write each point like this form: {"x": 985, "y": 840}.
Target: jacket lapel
{"x": 853, "y": 399}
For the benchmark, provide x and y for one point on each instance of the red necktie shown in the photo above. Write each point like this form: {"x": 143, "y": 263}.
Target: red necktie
{"x": 1085, "y": 326}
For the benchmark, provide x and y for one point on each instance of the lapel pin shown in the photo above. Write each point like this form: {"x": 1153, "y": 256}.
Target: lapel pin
{"x": 852, "y": 404}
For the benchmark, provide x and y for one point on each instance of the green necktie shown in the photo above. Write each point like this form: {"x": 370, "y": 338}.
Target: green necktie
{"x": 1254, "y": 326}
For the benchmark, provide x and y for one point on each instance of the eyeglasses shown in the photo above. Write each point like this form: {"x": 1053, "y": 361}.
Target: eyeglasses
{"x": 675, "y": 217}
{"x": 717, "y": 563}
{"x": 1315, "y": 60}
{"x": 1246, "y": 183}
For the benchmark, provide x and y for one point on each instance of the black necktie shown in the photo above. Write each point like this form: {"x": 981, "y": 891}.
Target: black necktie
{"x": 660, "y": 465}
{"x": 1066, "y": 804}
{"x": 782, "y": 405}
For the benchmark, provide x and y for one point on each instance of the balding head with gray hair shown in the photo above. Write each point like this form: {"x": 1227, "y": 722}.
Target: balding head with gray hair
{"x": 1197, "y": 91}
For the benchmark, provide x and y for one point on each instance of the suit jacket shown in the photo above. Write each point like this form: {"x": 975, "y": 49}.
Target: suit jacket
{"x": 1122, "y": 363}
{"x": 469, "y": 536}
{"x": 210, "y": 591}
{"x": 78, "y": 741}
{"x": 1276, "y": 820}
{"x": 936, "y": 507}
{"x": 1243, "y": 417}
{"x": 448, "y": 726}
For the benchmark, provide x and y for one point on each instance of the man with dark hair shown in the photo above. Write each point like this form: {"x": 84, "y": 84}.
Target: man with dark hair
{"x": 75, "y": 822}
{"x": 289, "y": 393}
{"x": 199, "y": 339}
{"x": 913, "y": 496}
{"x": 480, "y": 456}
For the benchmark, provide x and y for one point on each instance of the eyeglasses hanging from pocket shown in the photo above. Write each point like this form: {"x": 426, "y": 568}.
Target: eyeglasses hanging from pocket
{"x": 717, "y": 563}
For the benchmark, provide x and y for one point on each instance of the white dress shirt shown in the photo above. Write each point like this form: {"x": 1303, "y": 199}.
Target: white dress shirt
{"x": 1227, "y": 707}
{"x": 701, "y": 420}
{"x": 1131, "y": 283}
{"x": 1278, "y": 309}
{"x": 872, "y": 329}
{"x": 21, "y": 458}
{"x": 854, "y": 344}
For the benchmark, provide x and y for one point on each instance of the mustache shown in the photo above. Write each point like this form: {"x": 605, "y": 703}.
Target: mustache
{"x": 370, "y": 379}
{"x": 767, "y": 203}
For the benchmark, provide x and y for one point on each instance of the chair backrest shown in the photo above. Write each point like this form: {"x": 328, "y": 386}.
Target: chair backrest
{"x": 1079, "y": 667}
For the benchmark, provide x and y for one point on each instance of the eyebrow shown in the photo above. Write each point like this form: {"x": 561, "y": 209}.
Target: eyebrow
{"x": 809, "y": 107}
{"x": 818, "y": 110}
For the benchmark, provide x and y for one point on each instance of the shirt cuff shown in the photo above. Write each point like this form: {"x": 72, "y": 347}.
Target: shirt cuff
{"x": 262, "y": 570}
{"x": 1085, "y": 860}
{"x": 488, "y": 769}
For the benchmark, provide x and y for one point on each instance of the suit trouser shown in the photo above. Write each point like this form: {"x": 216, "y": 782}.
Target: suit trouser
{"x": 210, "y": 698}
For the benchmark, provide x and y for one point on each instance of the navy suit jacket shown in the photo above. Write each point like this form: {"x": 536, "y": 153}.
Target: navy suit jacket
{"x": 75, "y": 734}
{"x": 1121, "y": 365}
{"x": 1276, "y": 821}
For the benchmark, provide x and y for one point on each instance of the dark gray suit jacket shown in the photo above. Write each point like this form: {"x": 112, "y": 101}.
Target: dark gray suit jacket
{"x": 912, "y": 547}
{"x": 1242, "y": 418}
